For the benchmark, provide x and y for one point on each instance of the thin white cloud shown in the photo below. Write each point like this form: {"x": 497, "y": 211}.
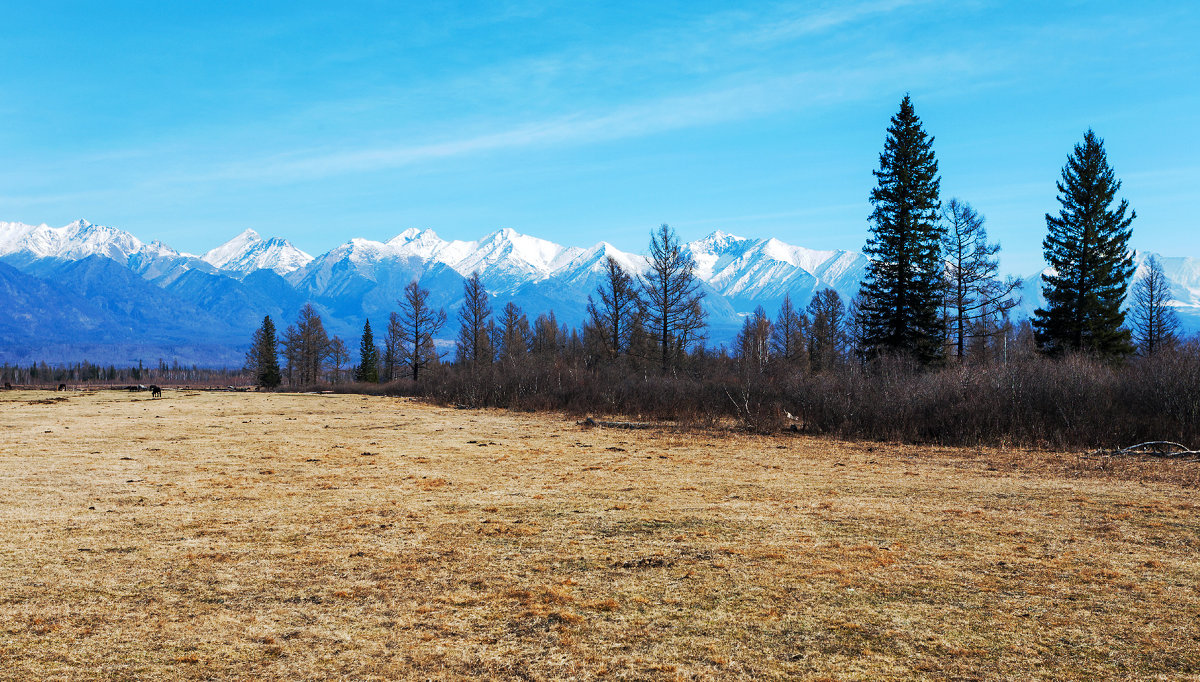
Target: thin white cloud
{"x": 813, "y": 23}
{"x": 756, "y": 96}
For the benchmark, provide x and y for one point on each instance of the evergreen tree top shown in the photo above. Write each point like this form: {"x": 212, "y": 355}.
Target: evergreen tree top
{"x": 904, "y": 278}
{"x": 1086, "y": 246}
{"x": 1088, "y": 186}
{"x": 907, "y": 160}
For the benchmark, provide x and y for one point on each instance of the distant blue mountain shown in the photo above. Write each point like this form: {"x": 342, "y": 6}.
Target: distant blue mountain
{"x": 85, "y": 291}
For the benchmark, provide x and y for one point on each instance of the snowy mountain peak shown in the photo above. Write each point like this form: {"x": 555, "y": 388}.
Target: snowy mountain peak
{"x": 230, "y": 249}
{"x": 248, "y": 252}
{"x": 404, "y": 237}
{"x": 718, "y": 242}
{"x": 160, "y": 249}
{"x": 75, "y": 240}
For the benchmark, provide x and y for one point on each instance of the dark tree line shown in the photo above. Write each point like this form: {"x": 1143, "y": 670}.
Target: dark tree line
{"x": 42, "y": 374}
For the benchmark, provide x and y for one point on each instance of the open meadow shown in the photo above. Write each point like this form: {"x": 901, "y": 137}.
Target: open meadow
{"x": 212, "y": 535}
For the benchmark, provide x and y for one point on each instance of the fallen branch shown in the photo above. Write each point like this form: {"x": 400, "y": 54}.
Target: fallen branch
{"x": 1154, "y": 448}
{"x": 618, "y": 425}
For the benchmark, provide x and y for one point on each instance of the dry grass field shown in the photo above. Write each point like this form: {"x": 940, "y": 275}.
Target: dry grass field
{"x": 247, "y": 536}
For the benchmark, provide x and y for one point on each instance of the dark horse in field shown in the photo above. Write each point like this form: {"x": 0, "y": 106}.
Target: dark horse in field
{"x": 7, "y": 386}
{"x": 155, "y": 391}
{"x": 62, "y": 387}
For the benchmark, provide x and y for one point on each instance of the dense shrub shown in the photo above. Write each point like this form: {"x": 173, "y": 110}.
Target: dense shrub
{"x": 1076, "y": 401}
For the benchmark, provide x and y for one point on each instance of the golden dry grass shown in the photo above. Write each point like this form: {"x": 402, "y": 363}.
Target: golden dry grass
{"x": 236, "y": 536}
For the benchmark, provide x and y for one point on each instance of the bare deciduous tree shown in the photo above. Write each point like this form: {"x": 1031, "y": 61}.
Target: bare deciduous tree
{"x": 392, "y": 342}
{"x": 826, "y": 331}
{"x": 475, "y": 318}
{"x": 788, "y": 332}
{"x": 547, "y": 336}
{"x": 306, "y": 346}
{"x": 672, "y": 295}
{"x": 515, "y": 334}
{"x": 976, "y": 300}
{"x": 417, "y": 323}
{"x": 1155, "y": 324}
{"x": 615, "y": 316}
{"x": 338, "y": 356}
{"x": 753, "y": 343}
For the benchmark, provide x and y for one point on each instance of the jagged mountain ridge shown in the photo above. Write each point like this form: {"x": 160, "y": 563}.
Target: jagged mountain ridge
{"x": 233, "y": 285}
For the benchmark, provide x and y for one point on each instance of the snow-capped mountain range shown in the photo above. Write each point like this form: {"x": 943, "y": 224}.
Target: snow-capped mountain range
{"x": 97, "y": 292}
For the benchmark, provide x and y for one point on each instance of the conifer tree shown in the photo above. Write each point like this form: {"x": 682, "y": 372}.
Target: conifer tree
{"x": 368, "y": 357}
{"x": 1087, "y": 249}
{"x": 903, "y": 281}
{"x": 262, "y": 358}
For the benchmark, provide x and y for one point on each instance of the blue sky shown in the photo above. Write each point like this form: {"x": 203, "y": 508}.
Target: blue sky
{"x": 576, "y": 122}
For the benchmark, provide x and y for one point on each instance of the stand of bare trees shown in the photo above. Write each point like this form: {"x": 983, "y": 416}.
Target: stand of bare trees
{"x": 613, "y": 319}
{"x": 826, "y": 331}
{"x": 306, "y": 347}
{"x": 788, "y": 334}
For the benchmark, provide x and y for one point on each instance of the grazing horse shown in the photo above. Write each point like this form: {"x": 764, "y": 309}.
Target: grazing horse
{"x": 155, "y": 391}
{"x": 7, "y": 386}
{"x": 62, "y": 387}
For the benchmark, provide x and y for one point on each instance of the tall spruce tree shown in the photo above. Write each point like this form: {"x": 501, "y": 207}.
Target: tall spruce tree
{"x": 262, "y": 359}
{"x": 1087, "y": 247}
{"x": 903, "y": 283}
{"x": 368, "y": 357}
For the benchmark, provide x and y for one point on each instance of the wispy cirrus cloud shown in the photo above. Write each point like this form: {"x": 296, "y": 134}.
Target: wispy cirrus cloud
{"x": 809, "y": 23}
{"x": 746, "y": 97}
